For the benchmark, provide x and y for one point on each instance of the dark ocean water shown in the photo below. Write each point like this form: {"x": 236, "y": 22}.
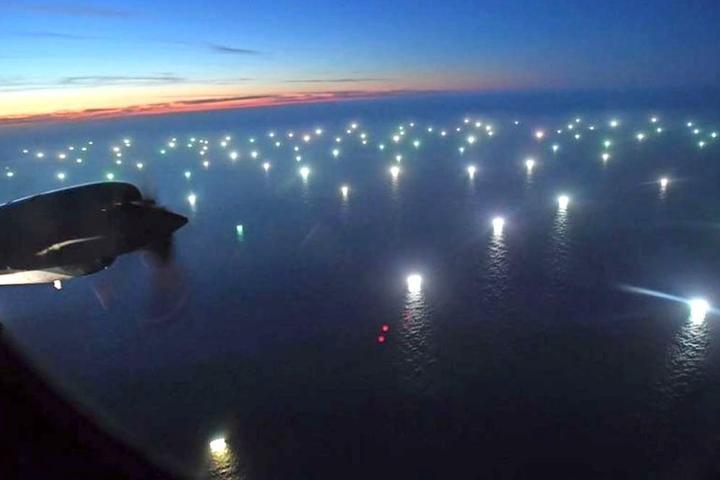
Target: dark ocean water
{"x": 522, "y": 355}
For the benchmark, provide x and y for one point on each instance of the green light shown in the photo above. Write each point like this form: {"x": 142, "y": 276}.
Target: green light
{"x": 240, "y": 231}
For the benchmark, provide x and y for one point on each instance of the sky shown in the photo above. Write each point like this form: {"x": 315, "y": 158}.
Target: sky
{"x": 77, "y": 59}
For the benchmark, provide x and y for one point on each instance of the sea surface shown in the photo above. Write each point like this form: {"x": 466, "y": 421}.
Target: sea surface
{"x": 562, "y": 344}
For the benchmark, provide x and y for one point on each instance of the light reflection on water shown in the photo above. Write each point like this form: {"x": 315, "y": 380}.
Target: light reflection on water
{"x": 416, "y": 343}
{"x": 496, "y": 270}
{"x": 226, "y": 465}
{"x": 560, "y": 251}
{"x": 685, "y": 359}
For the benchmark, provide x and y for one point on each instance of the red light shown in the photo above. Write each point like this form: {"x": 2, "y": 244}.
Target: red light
{"x": 385, "y": 328}
{"x": 381, "y": 339}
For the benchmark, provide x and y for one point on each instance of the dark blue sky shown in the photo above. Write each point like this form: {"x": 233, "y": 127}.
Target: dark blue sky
{"x": 61, "y": 55}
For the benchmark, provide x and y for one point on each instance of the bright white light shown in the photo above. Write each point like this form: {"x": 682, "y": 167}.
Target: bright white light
{"x": 577, "y": 136}
{"x": 471, "y": 171}
{"x": 381, "y": 146}
{"x": 696, "y": 131}
{"x": 654, "y": 119}
{"x": 529, "y": 164}
{"x": 344, "y": 190}
{"x": 335, "y": 152}
{"x": 605, "y": 156}
{"x": 79, "y": 160}
{"x": 443, "y": 133}
{"x": 223, "y": 144}
{"x": 664, "y": 181}
{"x": 640, "y": 136}
{"x": 414, "y": 283}
{"x": 25, "y": 150}
{"x": 689, "y": 124}
{"x": 206, "y": 164}
{"x": 118, "y": 162}
{"x": 416, "y": 143}
{"x": 9, "y": 174}
{"x": 57, "y": 284}
{"x": 252, "y": 140}
{"x": 394, "y": 171}
{"x": 318, "y": 131}
{"x": 466, "y": 120}
{"x": 607, "y": 143}
{"x": 396, "y": 138}
{"x": 614, "y": 123}
{"x": 266, "y": 166}
{"x": 298, "y": 158}
{"x": 192, "y": 199}
{"x": 61, "y": 176}
{"x": 62, "y": 156}
{"x": 110, "y": 176}
{"x": 162, "y": 152}
{"x": 398, "y": 158}
{"x": 659, "y": 130}
{"x": 498, "y": 223}
{"x": 171, "y": 144}
{"x": 701, "y": 144}
{"x": 139, "y": 165}
{"x": 539, "y": 134}
{"x": 306, "y": 138}
{"x": 304, "y": 172}
{"x": 714, "y": 134}
{"x": 254, "y": 154}
{"x": 353, "y": 126}
{"x": 39, "y": 154}
{"x": 461, "y": 149}
{"x": 555, "y": 148}
{"x": 699, "y": 308}
{"x": 577, "y": 120}
{"x": 233, "y": 155}
{"x": 188, "y": 174}
{"x": 218, "y": 446}
{"x": 563, "y": 202}
{"x": 471, "y": 139}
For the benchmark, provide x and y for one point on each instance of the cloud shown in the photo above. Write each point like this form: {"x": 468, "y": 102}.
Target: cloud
{"x": 336, "y": 80}
{"x": 231, "y": 50}
{"x": 101, "y": 80}
{"x": 68, "y": 9}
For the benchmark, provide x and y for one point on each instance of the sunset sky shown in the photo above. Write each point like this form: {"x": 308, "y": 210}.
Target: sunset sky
{"x": 83, "y": 58}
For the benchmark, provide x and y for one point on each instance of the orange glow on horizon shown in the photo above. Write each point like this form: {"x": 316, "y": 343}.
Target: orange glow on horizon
{"x": 194, "y": 105}
{"x": 30, "y": 106}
